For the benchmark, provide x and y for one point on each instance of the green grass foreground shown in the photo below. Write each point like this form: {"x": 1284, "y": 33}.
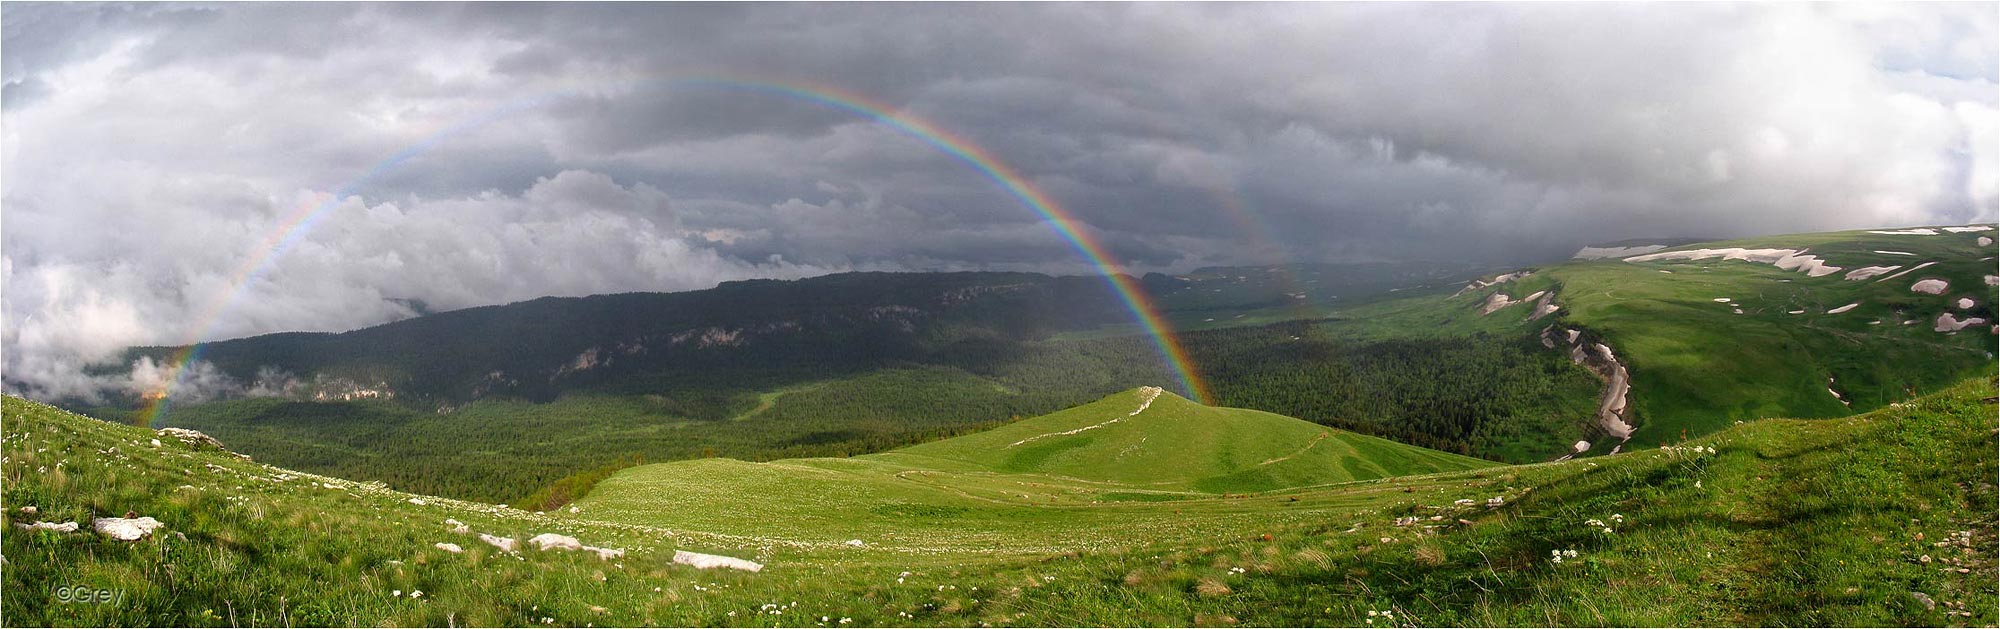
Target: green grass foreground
{"x": 1786, "y": 522}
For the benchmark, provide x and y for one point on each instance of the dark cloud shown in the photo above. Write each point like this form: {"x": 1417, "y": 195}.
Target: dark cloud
{"x": 494, "y": 152}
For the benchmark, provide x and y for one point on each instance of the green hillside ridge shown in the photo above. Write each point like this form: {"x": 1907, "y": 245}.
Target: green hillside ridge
{"x": 1178, "y": 444}
{"x": 1697, "y": 365}
{"x": 1885, "y": 518}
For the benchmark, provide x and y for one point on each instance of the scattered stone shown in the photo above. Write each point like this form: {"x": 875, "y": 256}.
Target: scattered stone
{"x": 503, "y": 543}
{"x": 449, "y": 547}
{"x": 457, "y": 526}
{"x": 705, "y": 561}
{"x": 30, "y": 510}
{"x": 417, "y": 501}
{"x": 66, "y": 527}
{"x": 1924, "y": 599}
{"x": 125, "y": 529}
{"x": 856, "y": 543}
{"x": 547, "y": 541}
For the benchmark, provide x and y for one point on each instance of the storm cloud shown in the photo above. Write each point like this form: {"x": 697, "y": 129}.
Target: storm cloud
{"x": 454, "y": 155}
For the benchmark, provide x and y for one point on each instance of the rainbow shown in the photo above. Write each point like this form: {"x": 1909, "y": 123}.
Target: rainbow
{"x": 292, "y": 228}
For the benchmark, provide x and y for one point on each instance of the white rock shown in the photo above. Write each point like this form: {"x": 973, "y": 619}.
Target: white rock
{"x": 30, "y": 510}
{"x": 457, "y": 526}
{"x": 706, "y": 562}
{"x": 449, "y": 547}
{"x": 1931, "y": 286}
{"x": 1579, "y": 448}
{"x": 1965, "y": 302}
{"x": 66, "y": 527}
{"x": 1985, "y": 242}
{"x": 417, "y": 501}
{"x": 606, "y": 554}
{"x": 547, "y": 541}
{"x": 125, "y": 529}
{"x": 503, "y": 543}
{"x": 856, "y": 543}
{"x": 1844, "y": 308}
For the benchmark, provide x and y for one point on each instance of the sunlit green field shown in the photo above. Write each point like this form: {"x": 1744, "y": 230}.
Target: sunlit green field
{"x": 1785, "y": 522}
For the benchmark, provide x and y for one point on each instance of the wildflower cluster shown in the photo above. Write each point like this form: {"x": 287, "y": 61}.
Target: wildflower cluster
{"x": 1687, "y": 451}
{"x": 1617, "y": 520}
{"x": 1386, "y": 616}
{"x": 1557, "y": 556}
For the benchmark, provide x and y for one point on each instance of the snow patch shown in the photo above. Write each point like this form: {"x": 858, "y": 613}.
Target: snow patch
{"x": 1600, "y": 253}
{"x": 1968, "y": 229}
{"x": 1914, "y": 231}
{"x": 1932, "y": 286}
{"x": 1948, "y": 323}
{"x": 1868, "y": 272}
{"x": 1787, "y": 259}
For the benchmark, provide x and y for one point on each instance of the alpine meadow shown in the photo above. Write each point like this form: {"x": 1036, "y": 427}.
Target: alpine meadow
{"x": 962, "y": 314}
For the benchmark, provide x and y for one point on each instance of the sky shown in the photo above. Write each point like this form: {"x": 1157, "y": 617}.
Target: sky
{"x": 456, "y": 155}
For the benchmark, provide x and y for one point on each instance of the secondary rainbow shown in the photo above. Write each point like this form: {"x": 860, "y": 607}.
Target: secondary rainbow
{"x": 1135, "y": 299}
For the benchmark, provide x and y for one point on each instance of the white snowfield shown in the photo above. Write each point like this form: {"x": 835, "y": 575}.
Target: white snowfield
{"x": 1914, "y": 231}
{"x": 1969, "y": 229}
{"x": 1600, "y": 253}
{"x": 1787, "y": 259}
{"x": 707, "y": 562}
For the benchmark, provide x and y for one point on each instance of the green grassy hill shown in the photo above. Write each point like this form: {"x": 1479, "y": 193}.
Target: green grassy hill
{"x": 1886, "y": 518}
{"x": 1099, "y": 466}
{"x": 1177, "y": 444}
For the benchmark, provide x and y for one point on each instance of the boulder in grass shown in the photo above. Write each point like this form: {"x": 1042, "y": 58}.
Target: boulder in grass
{"x": 705, "y": 561}
{"x": 66, "y": 527}
{"x": 503, "y": 543}
{"x": 548, "y": 541}
{"x": 606, "y": 554}
{"x": 125, "y": 529}
{"x": 449, "y": 547}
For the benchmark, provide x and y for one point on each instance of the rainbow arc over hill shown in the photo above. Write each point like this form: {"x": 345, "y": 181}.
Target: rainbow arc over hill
{"x": 1065, "y": 224}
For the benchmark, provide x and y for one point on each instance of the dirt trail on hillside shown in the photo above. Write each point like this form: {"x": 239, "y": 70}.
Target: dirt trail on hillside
{"x": 1146, "y": 397}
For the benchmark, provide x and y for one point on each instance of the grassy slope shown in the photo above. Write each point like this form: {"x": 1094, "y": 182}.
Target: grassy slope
{"x": 1098, "y": 488}
{"x": 1697, "y": 366}
{"x": 1789, "y": 522}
